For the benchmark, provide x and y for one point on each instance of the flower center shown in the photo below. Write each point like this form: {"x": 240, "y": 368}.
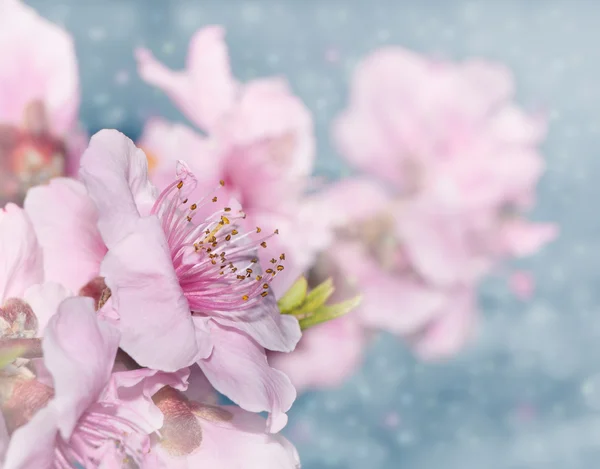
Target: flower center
{"x": 29, "y": 155}
{"x": 216, "y": 265}
{"x": 96, "y": 289}
{"x": 17, "y": 320}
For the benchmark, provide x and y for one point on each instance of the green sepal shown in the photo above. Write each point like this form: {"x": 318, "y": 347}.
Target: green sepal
{"x": 326, "y": 313}
{"x": 294, "y": 297}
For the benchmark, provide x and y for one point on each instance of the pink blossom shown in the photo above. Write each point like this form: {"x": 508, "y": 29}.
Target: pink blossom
{"x": 260, "y": 142}
{"x": 453, "y": 165}
{"x": 88, "y": 409}
{"x": 161, "y": 257}
{"x": 39, "y": 100}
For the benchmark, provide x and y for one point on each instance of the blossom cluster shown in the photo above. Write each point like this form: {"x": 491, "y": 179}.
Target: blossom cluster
{"x": 143, "y": 280}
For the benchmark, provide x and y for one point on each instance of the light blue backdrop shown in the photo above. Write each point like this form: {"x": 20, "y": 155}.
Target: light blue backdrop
{"x": 543, "y": 355}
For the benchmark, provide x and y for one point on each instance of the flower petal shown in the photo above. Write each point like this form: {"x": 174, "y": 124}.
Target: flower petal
{"x": 205, "y": 91}
{"x": 20, "y": 254}
{"x": 165, "y": 143}
{"x": 269, "y": 328}
{"x": 79, "y": 352}
{"x": 326, "y": 355}
{"x": 238, "y": 368}
{"x": 254, "y": 449}
{"x": 33, "y": 444}
{"x": 134, "y": 390}
{"x": 65, "y": 221}
{"x": 446, "y": 335}
{"x": 115, "y": 173}
{"x": 155, "y": 319}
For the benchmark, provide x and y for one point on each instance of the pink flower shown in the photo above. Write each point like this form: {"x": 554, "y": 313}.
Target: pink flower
{"x": 26, "y": 303}
{"x": 260, "y": 142}
{"x": 88, "y": 410}
{"x": 39, "y": 100}
{"x": 187, "y": 289}
{"x": 453, "y": 164}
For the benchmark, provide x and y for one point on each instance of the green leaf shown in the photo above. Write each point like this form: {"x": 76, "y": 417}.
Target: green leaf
{"x": 9, "y": 354}
{"x": 326, "y": 313}
{"x": 294, "y": 297}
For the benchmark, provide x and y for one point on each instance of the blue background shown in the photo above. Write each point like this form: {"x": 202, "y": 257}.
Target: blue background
{"x": 545, "y": 353}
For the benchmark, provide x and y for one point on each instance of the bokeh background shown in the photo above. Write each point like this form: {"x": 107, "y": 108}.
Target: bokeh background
{"x": 526, "y": 394}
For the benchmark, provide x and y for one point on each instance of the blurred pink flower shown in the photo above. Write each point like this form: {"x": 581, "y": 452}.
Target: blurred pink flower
{"x": 260, "y": 142}
{"x": 453, "y": 163}
{"x": 161, "y": 257}
{"x": 39, "y": 100}
{"x": 88, "y": 412}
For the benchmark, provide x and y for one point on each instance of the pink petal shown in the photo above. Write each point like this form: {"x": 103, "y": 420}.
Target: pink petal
{"x": 238, "y": 368}
{"x": 254, "y": 449}
{"x": 199, "y": 387}
{"x": 326, "y": 356}
{"x": 155, "y": 319}
{"x": 39, "y": 63}
{"x": 395, "y": 303}
{"x": 205, "y": 91}
{"x": 79, "y": 352}
{"x": 352, "y": 200}
{"x": 269, "y": 328}
{"x": 65, "y": 221}
{"x": 523, "y": 238}
{"x": 449, "y": 333}
{"x": 436, "y": 244}
{"x": 32, "y": 445}
{"x": 44, "y": 299}
{"x": 134, "y": 390}
{"x": 115, "y": 174}
{"x": 165, "y": 143}
{"x": 267, "y": 110}
{"x": 20, "y": 253}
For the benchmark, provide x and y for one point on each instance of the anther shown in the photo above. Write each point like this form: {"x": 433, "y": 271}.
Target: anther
{"x": 264, "y": 244}
{"x": 227, "y": 209}
{"x": 222, "y": 182}
{"x": 265, "y": 293}
{"x": 258, "y": 230}
{"x": 179, "y": 184}
{"x": 193, "y": 206}
{"x": 214, "y": 199}
{"x": 245, "y": 297}
{"x": 280, "y": 268}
